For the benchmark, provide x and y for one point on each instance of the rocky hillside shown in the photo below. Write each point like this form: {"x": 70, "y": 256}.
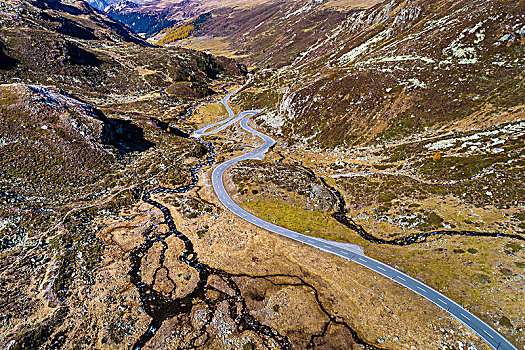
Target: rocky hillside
{"x": 53, "y": 143}
{"x": 400, "y": 68}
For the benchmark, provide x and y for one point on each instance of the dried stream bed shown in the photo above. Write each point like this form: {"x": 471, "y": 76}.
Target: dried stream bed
{"x": 165, "y": 306}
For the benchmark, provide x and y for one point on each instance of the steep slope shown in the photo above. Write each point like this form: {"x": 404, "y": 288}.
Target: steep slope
{"x": 401, "y": 68}
{"x": 140, "y": 21}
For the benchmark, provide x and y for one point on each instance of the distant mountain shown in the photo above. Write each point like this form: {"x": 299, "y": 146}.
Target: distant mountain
{"x": 104, "y": 4}
{"x": 120, "y": 6}
{"x": 99, "y": 4}
{"x": 143, "y": 22}
{"x": 156, "y": 15}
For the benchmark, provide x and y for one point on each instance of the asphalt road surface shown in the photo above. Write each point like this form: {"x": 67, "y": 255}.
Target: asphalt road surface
{"x": 347, "y": 251}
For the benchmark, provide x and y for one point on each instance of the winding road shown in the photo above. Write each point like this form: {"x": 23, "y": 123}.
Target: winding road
{"x": 347, "y": 251}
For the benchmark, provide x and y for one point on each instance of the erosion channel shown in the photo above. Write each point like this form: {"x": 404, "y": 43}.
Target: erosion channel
{"x": 161, "y": 306}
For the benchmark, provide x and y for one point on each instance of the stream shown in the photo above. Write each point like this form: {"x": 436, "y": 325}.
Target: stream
{"x": 161, "y": 306}
{"x": 340, "y": 215}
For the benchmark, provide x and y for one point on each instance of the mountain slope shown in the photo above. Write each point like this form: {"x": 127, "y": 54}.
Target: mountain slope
{"x": 414, "y": 112}
{"x": 266, "y": 33}
{"x": 80, "y": 49}
{"x": 85, "y": 109}
{"x": 400, "y": 68}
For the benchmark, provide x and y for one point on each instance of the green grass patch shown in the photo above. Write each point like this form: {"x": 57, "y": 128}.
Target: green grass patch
{"x": 308, "y": 222}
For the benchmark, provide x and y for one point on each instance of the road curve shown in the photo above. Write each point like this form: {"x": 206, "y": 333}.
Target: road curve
{"x": 347, "y": 251}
